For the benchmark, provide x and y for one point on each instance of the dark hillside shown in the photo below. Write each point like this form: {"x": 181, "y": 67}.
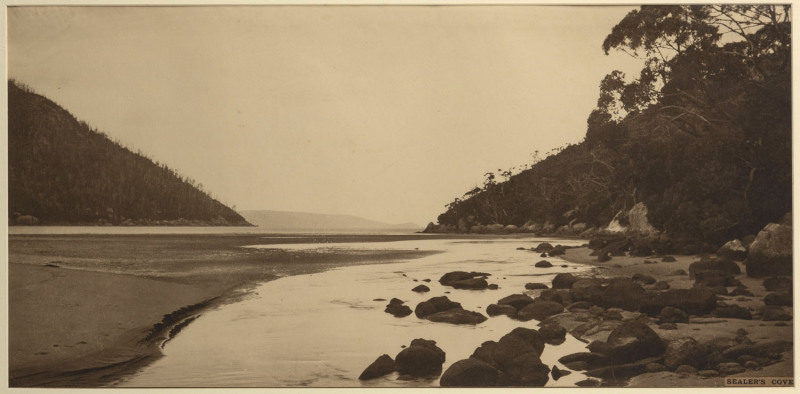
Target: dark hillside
{"x": 701, "y": 138}
{"x": 61, "y": 171}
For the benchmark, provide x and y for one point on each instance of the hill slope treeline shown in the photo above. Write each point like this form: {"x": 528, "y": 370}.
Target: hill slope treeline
{"x": 61, "y": 171}
{"x": 702, "y": 137}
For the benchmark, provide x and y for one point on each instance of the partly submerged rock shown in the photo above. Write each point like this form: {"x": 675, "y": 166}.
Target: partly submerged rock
{"x": 397, "y": 309}
{"x": 384, "y": 365}
{"x": 457, "y": 316}
{"x": 421, "y": 358}
{"x": 470, "y": 372}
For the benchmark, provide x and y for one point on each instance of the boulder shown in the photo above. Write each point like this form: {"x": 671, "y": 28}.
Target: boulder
{"x": 588, "y": 383}
{"x": 579, "y": 305}
{"x": 642, "y": 278}
{"x": 771, "y": 252}
{"x": 535, "y": 286}
{"x": 397, "y": 309}
{"x": 496, "y": 310}
{"x": 557, "y": 373}
{"x": 563, "y": 281}
{"x": 421, "y": 289}
{"x": 780, "y": 298}
{"x": 543, "y": 264}
{"x": 543, "y": 247}
{"x": 588, "y": 359}
{"x": 684, "y": 351}
{"x": 552, "y": 332}
{"x": 661, "y": 285}
{"x": 421, "y": 358}
{"x": 457, "y": 316}
{"x": 518, "y": 301}
{"x": 668, "y": 259}
{"x": 778, "y": 283}
{"x": 470, "y": 372}
{"x": 714, "y": 265}
{"x": 558, "y": 250}
{"x": 434, "y": 305}
{"x": 714, "y": 278}
{"x": 775, "y": 313}
{"x": 622, "y": 293}
{"x": 471, "y": 284}
{"x": 633, "y": 341}
{"x": 733, "y": 312}
{"x": 590, "y": 289}
{"x": 733, "y": 250}
{"x": 526, "y": 370}
{"x": 450, "y": 278}
{"x": 539, "y": 310}
{"x": 384, "y": 365}
{"x": 695, "y": 301}
{"x": 550, "y": 295}
{"x": 672, "y": 315}
{"x": 501, "y": 354}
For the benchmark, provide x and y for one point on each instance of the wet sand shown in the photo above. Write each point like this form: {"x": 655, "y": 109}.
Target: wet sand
{"x": 82, "y": 309}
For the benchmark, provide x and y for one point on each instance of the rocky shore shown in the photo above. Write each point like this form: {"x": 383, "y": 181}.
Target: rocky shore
{"x": 647, "y": 319}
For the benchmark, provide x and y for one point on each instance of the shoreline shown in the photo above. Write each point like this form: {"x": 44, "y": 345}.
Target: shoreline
{"x": 87, "y": 310}
{"x": 701, "y": 328}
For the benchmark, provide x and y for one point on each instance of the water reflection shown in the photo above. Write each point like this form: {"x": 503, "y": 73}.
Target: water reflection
{"x": 322, "y": 330}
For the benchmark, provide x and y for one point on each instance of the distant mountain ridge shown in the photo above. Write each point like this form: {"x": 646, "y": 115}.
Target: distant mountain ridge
{"x": 305, "y": 221}
{"x": 62, "y": 171}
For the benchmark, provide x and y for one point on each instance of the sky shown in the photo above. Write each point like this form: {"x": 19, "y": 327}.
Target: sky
{"x": 384, "y": 112}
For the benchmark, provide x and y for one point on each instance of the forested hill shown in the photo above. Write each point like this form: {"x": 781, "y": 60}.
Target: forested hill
{"x": 701, "y": 138}
{"x": 61, "y": 171}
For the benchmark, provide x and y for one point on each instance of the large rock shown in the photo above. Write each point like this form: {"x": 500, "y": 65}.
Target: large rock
{"x": 471, "y": 284}
{"x": 771, "y": 252}
{"x": 733, "y": 312}
{"x": 421, "y": 358}
{"x": 589, "y": 289}
{"x": 543, "y": 264}
{"x": 517, "y": 342}
{"x": 397, "y": 309}
{"x": 527, "y": 370}
{"x": 698, "y": 300}
{"x": 684, "y": 351}
{"x": 496, "y": 310}
{"x": 781, "y": 298}
{"x": 543, "y": 247}
{"x": 384, "y": 365}
{"x": 457, "y": 316}
{"x": 421, "y": 289}
{"x": 434, "y": 305}
{"x": 450, "y": 278}
{"x": 778, "y": 284}
{"x": 553, "y": 332}
{"x": 622, "y": 293}
{"x": 715, "y": 278}
{"x": 470, "y": 372}
{"x": 672, "y": 315}
{"x": 589, "y": 359}
{"x": 564, "y": 281}
{"x": 733, "y": 250}
{"x": 631, "y": 341}
{"x": 713, "y": 265}
{"x": 518, "y": 301}
{"x": 551, "y": 295}
{"x": 539, "y": 310}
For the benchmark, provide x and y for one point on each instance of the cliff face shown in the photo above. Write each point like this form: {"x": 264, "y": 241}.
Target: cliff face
{"x": 61, "y": 171}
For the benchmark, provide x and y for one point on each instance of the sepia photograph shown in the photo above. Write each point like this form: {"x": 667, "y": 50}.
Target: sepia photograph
{"x": 398, "y": 195}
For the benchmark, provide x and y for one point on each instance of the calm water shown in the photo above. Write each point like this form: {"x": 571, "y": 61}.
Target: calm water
{"x": 128, "y": 230}
{"x": 322, "y": 330}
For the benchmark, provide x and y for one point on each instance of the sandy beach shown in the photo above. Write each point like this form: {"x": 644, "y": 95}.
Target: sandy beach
{"x": 83, "y": 308}
{"x": 86, "y": 310}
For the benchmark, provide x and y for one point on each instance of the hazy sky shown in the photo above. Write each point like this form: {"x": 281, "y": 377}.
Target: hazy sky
{"x": 383, "y": 112}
